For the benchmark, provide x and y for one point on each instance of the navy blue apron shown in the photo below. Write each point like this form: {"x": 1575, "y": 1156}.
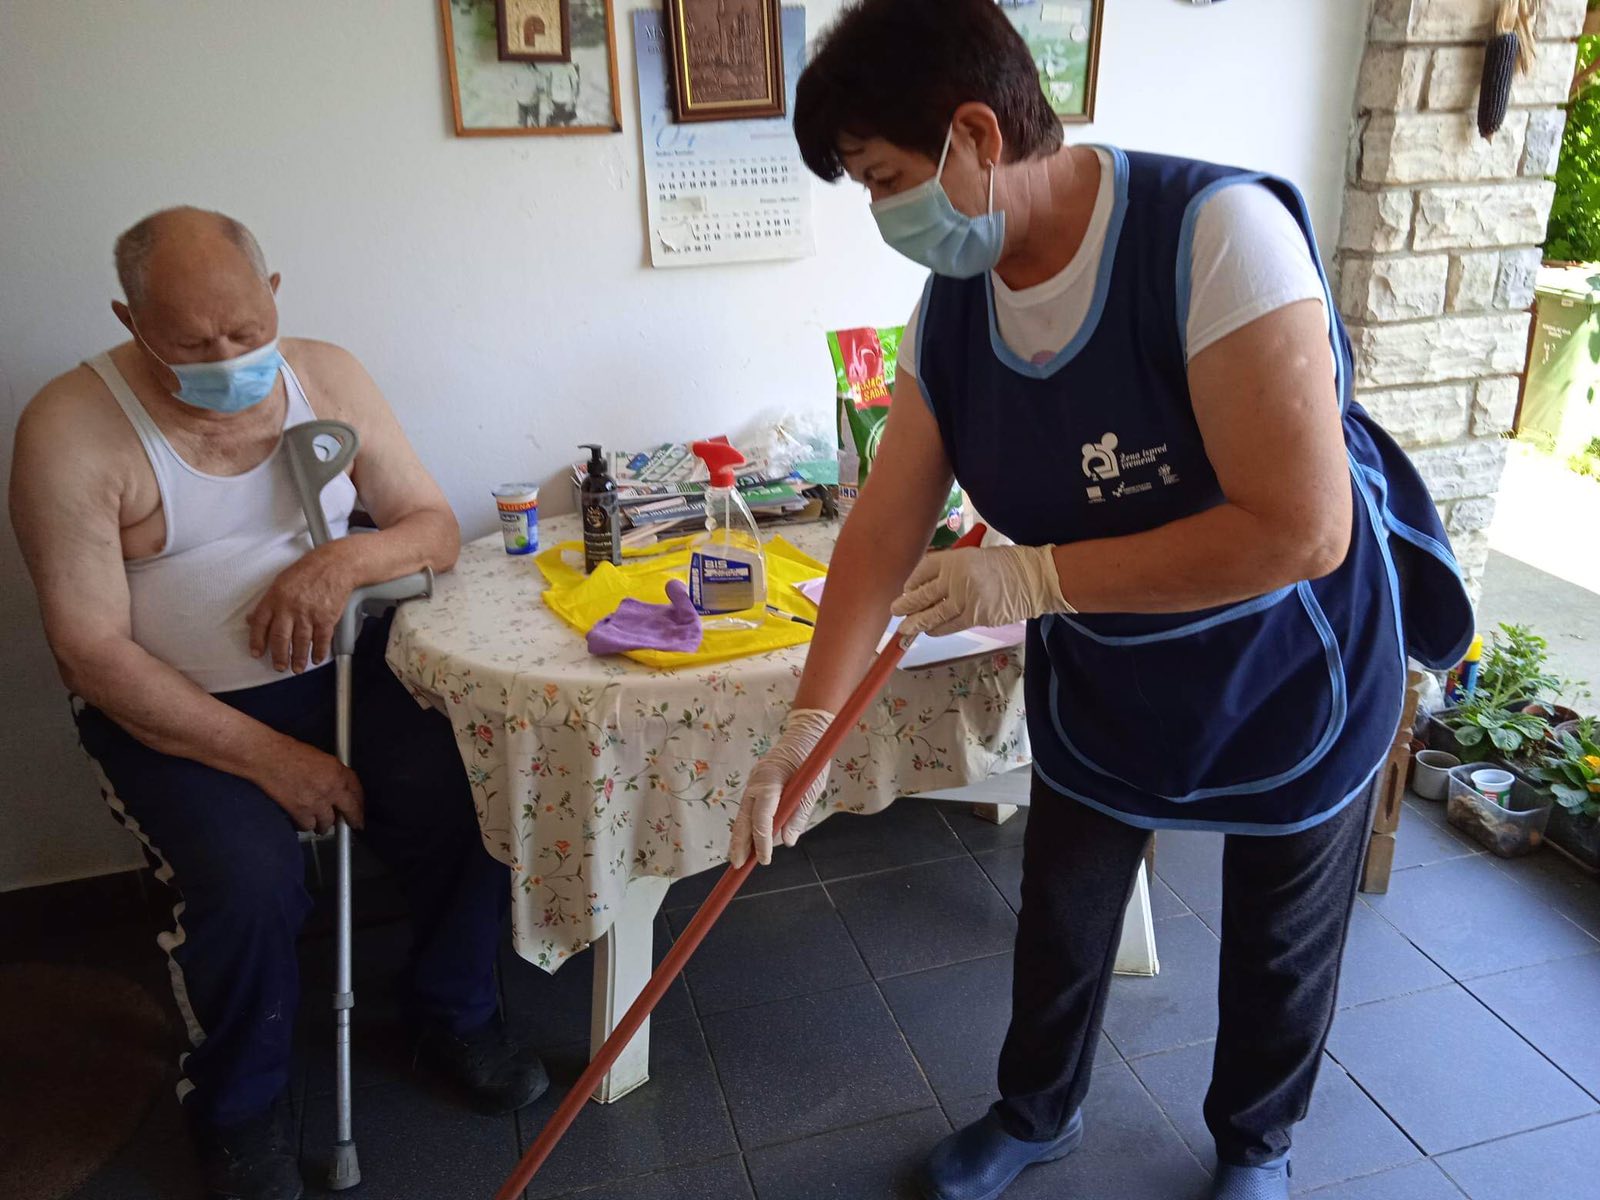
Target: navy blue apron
{"x": 1266, "y": 716}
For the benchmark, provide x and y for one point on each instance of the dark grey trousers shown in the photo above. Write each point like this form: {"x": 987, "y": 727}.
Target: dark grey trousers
{"x": 1285, "y": 913}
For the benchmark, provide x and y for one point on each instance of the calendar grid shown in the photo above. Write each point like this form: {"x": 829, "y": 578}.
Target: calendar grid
{"x": 733, "y": 191}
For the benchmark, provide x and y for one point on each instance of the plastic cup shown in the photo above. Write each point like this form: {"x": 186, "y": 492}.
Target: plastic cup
{"x": 1494, "y": 784}
{"x": 519, "y": 516}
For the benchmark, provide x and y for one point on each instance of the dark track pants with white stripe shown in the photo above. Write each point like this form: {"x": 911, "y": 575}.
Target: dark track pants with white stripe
{"x": 234, "y": 857}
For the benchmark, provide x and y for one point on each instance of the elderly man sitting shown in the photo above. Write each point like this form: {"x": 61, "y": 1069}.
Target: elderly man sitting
{"x": 186, "y": 607}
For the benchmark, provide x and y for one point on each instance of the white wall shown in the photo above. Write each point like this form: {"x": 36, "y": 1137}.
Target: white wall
{"x": 496, "y": 288}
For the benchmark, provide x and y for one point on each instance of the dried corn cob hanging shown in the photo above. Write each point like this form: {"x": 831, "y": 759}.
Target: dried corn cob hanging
{"x": 1511, "y": 47}
{"x": 1500, "y": 66}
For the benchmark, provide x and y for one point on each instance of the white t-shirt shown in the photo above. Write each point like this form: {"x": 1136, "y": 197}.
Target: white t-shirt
{"x": 1250, "y": 259}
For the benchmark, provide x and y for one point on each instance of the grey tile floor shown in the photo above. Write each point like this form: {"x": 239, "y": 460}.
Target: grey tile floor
{"x": 849, "y": 1011}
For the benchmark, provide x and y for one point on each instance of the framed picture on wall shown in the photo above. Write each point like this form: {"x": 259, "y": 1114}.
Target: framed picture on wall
{"x": 534, "y": 30}
{"x": 1064, "y": 36}
{"x": 727, "y": 59}
{"x": 490, "y": 97}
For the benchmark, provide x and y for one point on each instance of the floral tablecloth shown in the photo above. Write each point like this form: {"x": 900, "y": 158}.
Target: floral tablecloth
{"x": 588, "y": 772}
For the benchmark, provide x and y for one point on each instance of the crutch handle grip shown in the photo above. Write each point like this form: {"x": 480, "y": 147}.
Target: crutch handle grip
{"x": 318, "y": 451}
{"x": 373, "y": 599}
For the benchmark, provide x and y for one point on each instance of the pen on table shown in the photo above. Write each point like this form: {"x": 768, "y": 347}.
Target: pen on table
{"x": 789, "y": 616}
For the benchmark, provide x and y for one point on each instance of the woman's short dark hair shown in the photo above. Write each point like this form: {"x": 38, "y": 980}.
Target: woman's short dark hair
{"x": 899, "y": 69}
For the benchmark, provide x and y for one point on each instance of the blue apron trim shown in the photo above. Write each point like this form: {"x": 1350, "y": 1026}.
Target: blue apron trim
{"x": 1375, "y": 519}
{"x": 1252, "y": 829}
{"x": 1102, "y": 287}
{"x": 922, "y": 337}
{"x": 1415, "y": 536}
{"x": 1244, "y": 608}
{"x": 1395, "y": 604}
{"x": 1338, "y": 712}
{"x": 1191, "y": 216}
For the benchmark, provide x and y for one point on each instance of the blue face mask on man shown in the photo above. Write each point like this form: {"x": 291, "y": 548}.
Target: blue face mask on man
{"x": 923, "y": 225}
{"x": 229, "y": 385}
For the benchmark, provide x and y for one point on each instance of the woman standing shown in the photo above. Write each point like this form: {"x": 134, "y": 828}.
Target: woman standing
{"x": 1132, "y": 365}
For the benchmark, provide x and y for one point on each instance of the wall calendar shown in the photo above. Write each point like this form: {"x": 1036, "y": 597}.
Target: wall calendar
{"x": 724, "y": 191}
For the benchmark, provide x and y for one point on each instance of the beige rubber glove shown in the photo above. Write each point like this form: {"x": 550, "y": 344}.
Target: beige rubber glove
{"x": 952, "y": 590}
{"x": 802, "y": 730}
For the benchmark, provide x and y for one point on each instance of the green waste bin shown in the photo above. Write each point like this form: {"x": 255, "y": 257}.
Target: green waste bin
{"x": 1560, "y": 410}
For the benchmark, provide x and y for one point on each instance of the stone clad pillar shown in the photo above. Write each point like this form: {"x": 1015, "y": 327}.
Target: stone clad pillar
{"x": 1441, "y": 242}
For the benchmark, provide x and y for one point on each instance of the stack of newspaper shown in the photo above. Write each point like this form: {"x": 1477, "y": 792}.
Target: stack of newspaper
{"x": 661, "y": 491}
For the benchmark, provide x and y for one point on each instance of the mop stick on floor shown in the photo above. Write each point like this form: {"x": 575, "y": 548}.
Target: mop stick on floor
{"x": 715, "y": 904}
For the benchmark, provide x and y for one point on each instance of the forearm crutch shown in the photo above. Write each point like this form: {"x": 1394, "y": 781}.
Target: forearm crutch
{"x": 317, "y": 452}
{"x": 710, "y": 911}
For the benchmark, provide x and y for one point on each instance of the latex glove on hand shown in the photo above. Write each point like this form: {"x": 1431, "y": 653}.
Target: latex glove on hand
{"x": 952, "y": 590}
{"x": 752, "y": 828}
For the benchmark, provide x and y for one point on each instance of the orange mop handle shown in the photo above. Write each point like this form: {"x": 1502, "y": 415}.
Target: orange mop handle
{"x": 689, "y": 940}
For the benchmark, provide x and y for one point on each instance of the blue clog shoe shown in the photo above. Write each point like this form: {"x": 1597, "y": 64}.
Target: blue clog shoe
{"x": 981, "y": 1161}
{"x": 1268, "y": 1182}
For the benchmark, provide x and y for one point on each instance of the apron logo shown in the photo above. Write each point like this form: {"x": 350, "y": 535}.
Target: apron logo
{"x": 1103, "y": 462}
{"x": 1100, "y": 459}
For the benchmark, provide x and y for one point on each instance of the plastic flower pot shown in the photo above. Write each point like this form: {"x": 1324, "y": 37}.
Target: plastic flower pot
{"x": 1556, "y": 714}
{"x": 1510, "y": 830}
{"x": 1430, "y": 773}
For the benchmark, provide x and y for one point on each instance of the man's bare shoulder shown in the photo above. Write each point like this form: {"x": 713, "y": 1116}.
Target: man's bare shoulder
{"x": 76, "y": 413}
{"x": 335, "y": 381}
{"x": 313, "y": 354}
{"x": 74, "y": 443}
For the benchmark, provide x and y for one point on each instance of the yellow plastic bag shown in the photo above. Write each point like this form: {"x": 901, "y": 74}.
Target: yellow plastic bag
{"x": 583, "y": 601}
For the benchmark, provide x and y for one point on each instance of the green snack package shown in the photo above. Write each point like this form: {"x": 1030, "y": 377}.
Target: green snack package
{"x": 863, "y": 367}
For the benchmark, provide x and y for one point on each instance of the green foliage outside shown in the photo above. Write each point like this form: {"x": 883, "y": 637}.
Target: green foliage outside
{"x": 1575, "y": 217}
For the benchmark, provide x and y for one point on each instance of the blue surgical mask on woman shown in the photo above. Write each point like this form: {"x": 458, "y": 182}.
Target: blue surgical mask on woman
{"x": 229, "y": 385}
{"x": 923, "y": 225}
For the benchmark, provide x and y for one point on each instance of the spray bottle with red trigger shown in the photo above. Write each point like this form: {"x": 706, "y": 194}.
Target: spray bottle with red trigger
{"x": 727, "y": 569}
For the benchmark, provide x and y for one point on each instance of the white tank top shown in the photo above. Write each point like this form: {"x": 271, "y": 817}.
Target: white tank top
{"x": 228, "y": 538}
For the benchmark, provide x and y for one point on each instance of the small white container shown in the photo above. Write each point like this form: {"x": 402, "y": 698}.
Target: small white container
{"x": 1494, "y": 784}
{"x": 519, "y": 516}
{"x": 1430, "y": 775}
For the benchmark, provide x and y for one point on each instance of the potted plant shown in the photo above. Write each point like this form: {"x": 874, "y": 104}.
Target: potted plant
{"x": 1487, "y": 732}
{"x": 1571, "y": 771}
{"x": 1506, "y": 718}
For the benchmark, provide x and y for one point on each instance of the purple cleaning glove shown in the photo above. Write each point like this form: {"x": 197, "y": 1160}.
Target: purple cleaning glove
{"x": 640, "y": 626}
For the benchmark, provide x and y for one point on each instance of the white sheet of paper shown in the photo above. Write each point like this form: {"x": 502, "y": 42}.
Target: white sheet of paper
{"x": 929, "y": 651}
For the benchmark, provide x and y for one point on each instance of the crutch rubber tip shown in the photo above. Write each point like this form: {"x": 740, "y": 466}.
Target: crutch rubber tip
{"x": 346, "y": 1170}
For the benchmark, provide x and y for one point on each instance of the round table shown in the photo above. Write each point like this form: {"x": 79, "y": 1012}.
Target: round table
{"x": 599, "y": 780}
{"x": 588, "y": 772}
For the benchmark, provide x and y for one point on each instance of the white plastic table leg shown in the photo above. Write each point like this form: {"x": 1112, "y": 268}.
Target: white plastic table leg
{"x": 623, "y": 961}
{"x": 995, "y": 814}
{"x": 1136, "y": 955}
